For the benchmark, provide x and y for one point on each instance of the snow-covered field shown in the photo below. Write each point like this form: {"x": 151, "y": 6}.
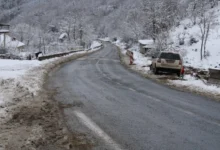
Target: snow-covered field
{"x": 21, "y": 78}
{"x": 11, "y": 69}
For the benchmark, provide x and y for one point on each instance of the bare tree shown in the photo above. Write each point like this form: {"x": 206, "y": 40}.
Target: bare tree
{"x": 133, "y": 23}
{"x": 193, "y": 10}
{"x": 205, "y": 21}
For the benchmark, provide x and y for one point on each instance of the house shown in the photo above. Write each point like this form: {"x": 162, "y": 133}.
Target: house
{"x": 63, "y": 36}
{"x": 146, "y": 45}
{"x": 6, "y": 41}
{"x": 10, "y": 43}
{"x": 4, "y": 30}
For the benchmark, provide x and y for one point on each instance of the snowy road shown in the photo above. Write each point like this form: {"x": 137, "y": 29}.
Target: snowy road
{"x": 115, "y": 108}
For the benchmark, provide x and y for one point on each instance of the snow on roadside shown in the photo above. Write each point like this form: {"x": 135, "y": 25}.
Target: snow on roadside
{"x": 190, "y": 82}
{"x": 196, "y": 85}
{"x": 20, "y": 78}
{"x": 10, "y": 69}
{"x": 141, "y": 62}
{"x": 121, "y": 45}
{"x": 95, "y": 44}
{"x": 106, "y": 39}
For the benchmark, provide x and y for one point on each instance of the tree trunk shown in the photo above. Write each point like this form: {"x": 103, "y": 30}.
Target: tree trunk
{"x": 206, "y": 38}
{"x": 201, "y": 50}
{"x": 74, "y": 33}
{"x": 154, "y": 30}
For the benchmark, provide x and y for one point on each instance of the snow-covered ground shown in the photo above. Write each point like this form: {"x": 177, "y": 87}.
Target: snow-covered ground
{"x": 16, "y": 74}
{"x": 139, "y": 59}
{"x": 20, "y": 78}
{"x": 106, "y": 39}
{"x": 141, "y": 63}
{"x": 186, "y": 31}
{"x": 11, "y": 69}
{"x": 197, "y": 85}
{"x": 95, "y": 44}
{"x": 191, "y": 52}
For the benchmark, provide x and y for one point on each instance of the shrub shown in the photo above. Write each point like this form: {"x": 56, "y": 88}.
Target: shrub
{"x": 193, "y": 40}
{"x": 181, "y": 42}
{"x": 207, "y": 54}
{"x": 3, "y": 50}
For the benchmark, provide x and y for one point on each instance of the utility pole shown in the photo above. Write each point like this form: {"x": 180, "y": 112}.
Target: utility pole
{"x": 44, "y": 45}
{"x": 81, "y": 35}
{"x": 40, "y": 45}
{"x": 74, "y": 32}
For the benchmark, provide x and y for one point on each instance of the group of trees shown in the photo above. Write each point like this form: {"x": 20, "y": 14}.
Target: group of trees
{"x": 201, "y": 14}
{"x": 160, "y": 16}
{"x": 85, "y": 20}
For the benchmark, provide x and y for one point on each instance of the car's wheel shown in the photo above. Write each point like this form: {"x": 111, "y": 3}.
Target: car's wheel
{"x": 151, "y": 67}
{"x": 155, "y": 70}
{"x": 178, "y": 74}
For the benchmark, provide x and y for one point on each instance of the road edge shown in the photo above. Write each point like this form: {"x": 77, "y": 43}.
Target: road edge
{"x": 35, "y": 121}
{"x": 165, "y": 82}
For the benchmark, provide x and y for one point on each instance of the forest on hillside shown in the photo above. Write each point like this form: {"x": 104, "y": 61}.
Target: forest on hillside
{"x": 91, "y": 19}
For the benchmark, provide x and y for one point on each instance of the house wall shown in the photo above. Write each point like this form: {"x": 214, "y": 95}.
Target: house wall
{"x": 3, "y": 41}
{"x": 142, "y": 49}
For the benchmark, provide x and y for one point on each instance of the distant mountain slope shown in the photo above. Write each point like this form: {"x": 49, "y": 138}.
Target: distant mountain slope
{"x": 129, "y": 19}
{"x": 113, "y": 17}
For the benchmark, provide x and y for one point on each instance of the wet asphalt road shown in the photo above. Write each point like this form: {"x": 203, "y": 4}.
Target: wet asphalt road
{"x": 137, "y": 113}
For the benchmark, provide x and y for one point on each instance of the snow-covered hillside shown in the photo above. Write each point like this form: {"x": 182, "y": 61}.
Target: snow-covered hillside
{"x": 186, "y": 32}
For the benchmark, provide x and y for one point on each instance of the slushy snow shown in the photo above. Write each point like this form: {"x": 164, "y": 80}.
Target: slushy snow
{"x": 194, "y": 84}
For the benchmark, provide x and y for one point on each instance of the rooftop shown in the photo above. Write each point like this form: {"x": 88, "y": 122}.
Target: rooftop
{"x": 7, "y": 25}
{"x": 146, "y": 42}
{"x": 4, "y": 28}
{"x": 10, "y": 43}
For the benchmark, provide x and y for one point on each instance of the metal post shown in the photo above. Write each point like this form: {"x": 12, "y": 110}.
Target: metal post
{"x": 4, "y": 40}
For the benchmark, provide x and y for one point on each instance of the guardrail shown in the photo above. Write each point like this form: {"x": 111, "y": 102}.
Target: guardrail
{"x": 214, "y": 77}
{"x": 41, "y": 58}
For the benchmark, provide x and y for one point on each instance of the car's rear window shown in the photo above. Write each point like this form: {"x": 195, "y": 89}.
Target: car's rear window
{"x": 170, "y": 56}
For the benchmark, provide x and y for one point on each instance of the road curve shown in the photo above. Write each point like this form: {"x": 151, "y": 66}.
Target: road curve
{"x": 133, "y": 112}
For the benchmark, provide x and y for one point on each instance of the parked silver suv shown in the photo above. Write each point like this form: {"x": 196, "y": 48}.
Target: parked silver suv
{"x": 167, "y": 62}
